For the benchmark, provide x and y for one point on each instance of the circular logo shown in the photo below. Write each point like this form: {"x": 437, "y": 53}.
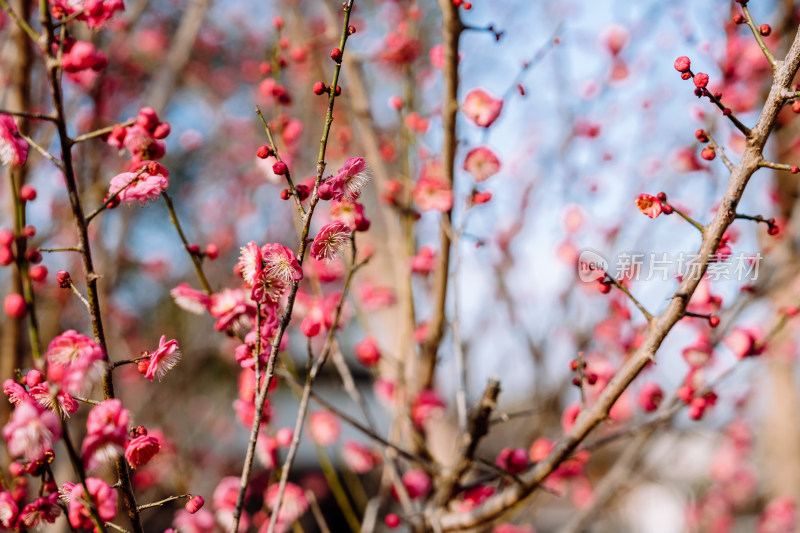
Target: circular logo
{"x": 591, "y": 266}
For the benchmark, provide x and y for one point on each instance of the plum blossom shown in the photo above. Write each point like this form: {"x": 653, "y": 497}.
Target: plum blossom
{"x": 140, "y": 450}
{"x": 649, "y": 205}
{"x": 229, "y": 307}
{"x": 482, "y": 163}
{"x": 44, "y": 509}
{"x": 13, "y": 148}
{"x": 148, "y": 180}
{"x": 281, "y": 263}
{"x": 293, "y": 505}
{"x": 82, "y": 55}
{"x": 367, "y": 352}
{"x": 31, "y": 432}
{"x": 348, "y": 181}
{"x": 431, "y": 193}
{"x": 190, "y": 299}
{"x": 200, "y": 522}
{"x": 103, "y": 497}
{"x": 162, "y": 360}
{"x": 358, "y": 457}
{"x": 93, "y": 12}
{"x": 8, "y": 510}
{"x": 74, "y": 361}
{"x": 107, "y": 433}
{"x": 481, "y": 108}
{"x": 324, "y": 427}
{"x": 57, "y": 401}
{"x": 330, "y": 241}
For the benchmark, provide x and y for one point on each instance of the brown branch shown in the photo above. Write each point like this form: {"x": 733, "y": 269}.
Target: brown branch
{"x": 661, "y": 325}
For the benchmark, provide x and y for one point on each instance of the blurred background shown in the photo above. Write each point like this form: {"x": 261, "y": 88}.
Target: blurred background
{"x": 594, "y": 114}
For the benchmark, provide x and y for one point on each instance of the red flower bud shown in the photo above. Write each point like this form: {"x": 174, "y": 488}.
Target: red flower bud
{"x": 280, "y": 168}
{"x": 63, "y": 278}
{"x": 765, "y": 29}
{"x": 212, "y": 252}
{"x": 194, "y": 504}
{"x": 700, "y": 80}
{"x": 27, "y": 193}
{"x": 15, "y": 306}
{"x": 264, "y": 151}
{"x": 682, "y": 64}
{"x": 320, "y": 88}
{"x": 336, "y": 55}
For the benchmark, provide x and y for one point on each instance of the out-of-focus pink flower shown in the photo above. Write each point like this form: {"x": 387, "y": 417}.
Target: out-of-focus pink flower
{"x": 324, "y": 427}
{"x": 294, "y": 504}
{"x": 436, "y": 56}
{"x": 428, "y": 403}
{"x": 13, "y": 148}
{"x": 744, "y": 342}
{"x": 512, "y": 460}
{"x": 140, "y": 450}
{"x": 614, "y": 38}
{"x": 330, "y": 241}
{"x": 16, "y": 393}
{"x": 350, "y": 213}
{"x": 228, "y": 307}
{"x": 103, "y": 497}
{"x": 511, "y": 528}
{"x": 162, "y": 360}
{"x": 107, "y": 433}
{"x": 481, "y": 108}
{"x": 8, "y": 510}
{"x": 358, "y": 457}
{"x": 474, "y": 497}
{"x": 74, "y": 362}
{"x": 417, "y": 483}
{"x": 190, "y": 299}
{"x": 424, "y": 262}
{"x": 250, "y": 262}
{"x": 44, "y": 509}
{"x": 31, "y": 432}
{"x": 367, "y": 352}
{"x": 482, "y": 163}
{"x": 200, "y": 522}
{"x": 93, "y": 12}
{"x": 145, "y": 183}
{"x": 699, "y": 353}
{"x": 433, "y": 194}
{"x": 650, "y": 396}
{"x": 82, "y": 55}
{"x": 780, "y": 516}
{"x": 376, "y": 297}
{"x": 399, "y": 49}
{"x": 60, "y": 402}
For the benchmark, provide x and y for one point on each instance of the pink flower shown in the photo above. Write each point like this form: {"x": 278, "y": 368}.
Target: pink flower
{"x": 481, "y": 108}
{"x": 8, "y": 510}
{"x": 200, "y": 522}
{"x": 93, "y": 12}
{"x": 103, "y": 497}
{"x": 162, "y": 360}
{"x": 433, "y": 194}
{"x": 324, "y": 427}
{"x": 267, "y": 289}
{"x": 74, "y": 361}
{"x": 358, "y": 457}
{"x": 511, "y": 528}
{"x": 16, "y": 393}
{"x": 147, "y": 182}
{"x": 195, "y": 504}
{"x": 417, "y": 483}
{"x": 267, "y": 451}
{"x": 40, "y": 510}
{"x": 330, "y": 241}
{"x": 512, "y": 460}
{"x": 250, "y": 262}
{"x": 349, "y": 213}
{"x": 376, "y": 297}
{"x": 482, "y": 163}
{"x": 190, "y": 299}
{"x": 743, "y": 342}
{"x": 780, "y": 516}
{"x": 107, "y": 433}
{"x": 474, "y": 497}
{"x": 82, "y": 55}
{"x": 428, "y": 403}
{"x": 224, "y": 499}
{"x": 13, "y": 148}
{"x": 31, "y": 432}
{"x": 58, "y": 402}
{"x": 349, "y": 180}
{"x": 293, "y": 505}
{"x": 140, "y": 450}
{"x": 699, "y": 353}
{"x": 280, "y": 262}
{"x": 650, "y": 396}
{"x": 142, "y": 142}
{"x": 367, "y": 352}
{"x": 400, "y": 49}
{"x": 615, "y": 37}
{"x": 649, "y": 205}
{"x": 229, "y": 308}
{"x": 424, "y": 262}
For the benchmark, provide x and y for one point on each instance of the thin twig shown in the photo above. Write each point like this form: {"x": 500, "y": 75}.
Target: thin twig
{"x": 198, "y": 266}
